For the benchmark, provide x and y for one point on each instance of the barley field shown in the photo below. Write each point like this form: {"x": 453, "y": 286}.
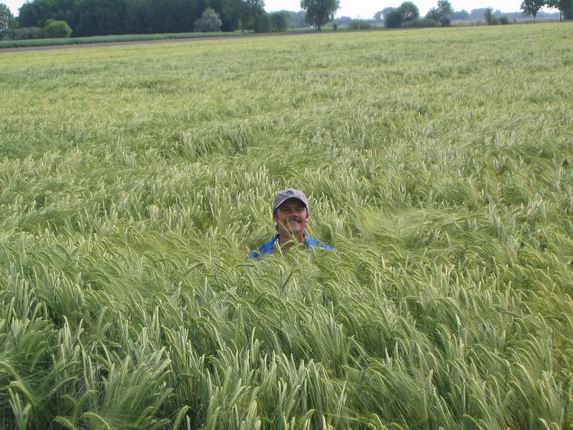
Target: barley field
{"x": 134, "y": 179}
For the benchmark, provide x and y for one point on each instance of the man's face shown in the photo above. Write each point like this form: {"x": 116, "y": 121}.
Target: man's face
{"x": 291, "y": 217}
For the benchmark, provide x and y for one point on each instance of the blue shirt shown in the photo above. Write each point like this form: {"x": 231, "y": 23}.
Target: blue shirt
{"x": 268, "y": 247}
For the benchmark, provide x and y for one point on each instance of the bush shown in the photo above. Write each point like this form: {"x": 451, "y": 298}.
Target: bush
{"x": 421, "y": 23}
{"x": 6, "y": 34}
{"x": 57, "y": 29}
{"x": 28, "y": 33}
{"x": 445, "y": 22}
{"x": 209, "y": 22}
{"x": 503, "y": 20}
{"x": 360, "y": 24}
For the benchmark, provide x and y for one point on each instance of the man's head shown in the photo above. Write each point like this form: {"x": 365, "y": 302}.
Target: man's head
{"x": 290, "y": 212}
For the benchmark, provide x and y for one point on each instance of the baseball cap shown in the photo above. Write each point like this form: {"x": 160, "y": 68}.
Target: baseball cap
{"x": 290, "y": 193}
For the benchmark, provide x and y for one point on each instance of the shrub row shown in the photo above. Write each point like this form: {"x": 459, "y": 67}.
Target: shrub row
{"x": 54, "y": 29}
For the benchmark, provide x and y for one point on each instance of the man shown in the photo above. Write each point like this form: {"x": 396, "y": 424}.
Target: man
{"x": 291, "y": 215}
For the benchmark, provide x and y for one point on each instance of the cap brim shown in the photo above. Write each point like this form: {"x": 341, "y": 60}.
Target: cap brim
{"x": 289, "y": 198}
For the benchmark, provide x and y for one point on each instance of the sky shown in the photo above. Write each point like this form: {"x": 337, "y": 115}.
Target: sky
{"x": 362, "y": 8}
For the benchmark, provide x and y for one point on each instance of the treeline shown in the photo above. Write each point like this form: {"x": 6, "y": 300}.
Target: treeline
{"x": 477, "y": 15}
{"x": 105, "y": 17}
{"x": 408, "y": 15}
{"x": 62, "y": 18}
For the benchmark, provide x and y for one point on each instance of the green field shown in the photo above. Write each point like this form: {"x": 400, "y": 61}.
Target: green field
{"x": 133, "y": 180}
{"x": 28, "y": 43}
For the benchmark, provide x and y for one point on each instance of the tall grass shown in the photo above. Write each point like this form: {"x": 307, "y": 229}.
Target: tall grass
{"x": 134, "y": 179}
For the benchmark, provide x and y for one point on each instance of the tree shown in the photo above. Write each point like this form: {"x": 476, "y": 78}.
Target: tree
{"x": 263, "y": 23}
{"x": 489, "y": 16}
{"x": 565, "y": 8}
{"x": 279, "y": 21}
{"x": 393, "y": 19}
{"x": 209, "y": 21}
{"x": 445, "y": 8}
{"x": 381, "y": 14}
{"x": 409, "y": 11}
{"x": 57, "y": 29}
{"x": 531, "y": 7}
{"x": 254, "y": 16}
{"x": 239, "y": 14}
{"x": 319, "y": 12}
{"x": 295, "y": 19}
{"x": 138, "y": 17}
{"x": 441, "y": 13}
{"x": 231, "y": 13}
{"x": 5, "y": 17}
{"x": 97, "y": 17}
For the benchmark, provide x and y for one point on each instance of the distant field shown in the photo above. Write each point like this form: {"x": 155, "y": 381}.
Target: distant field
{"x": 133, "y": 180}
{"x": 28, "y": 43}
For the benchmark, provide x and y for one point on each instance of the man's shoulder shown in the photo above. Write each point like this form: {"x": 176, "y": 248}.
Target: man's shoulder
{"x": 264, "y": 249}
{"x": 311, "y": 242}
{"x": 268, "y": 247}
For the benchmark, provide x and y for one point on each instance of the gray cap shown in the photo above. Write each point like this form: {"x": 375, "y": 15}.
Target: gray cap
{"x": 290, "y": 193}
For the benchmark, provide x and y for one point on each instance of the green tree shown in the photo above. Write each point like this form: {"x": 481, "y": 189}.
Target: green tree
{"x": 319, "y": 12}
{"x": 445, "y": 8}
{"x": 409, "y": 11}
{"x": 5, "y": 17}
{"x": 231, "y": 12}
{"x": 263, "y": 23}
{"x": 209, "y": 21}
{"x": 98, "y": 17}
{"x": 57, "y": 29}
{"x": 532, "y": 7}
{"x": 138, "y": 17}
{"x": 393, "y": 19}
{"x": 279, "y": 21}
{"x": 238, "y": 14}
{"x": 565, "y": 8}
{"x": 381, "y": 14}
{"x": 489, "y": 16}
{"x": 442, "y": 13}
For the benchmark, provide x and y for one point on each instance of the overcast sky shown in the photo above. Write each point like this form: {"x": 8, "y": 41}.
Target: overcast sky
{"x": 362, "y": 8}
